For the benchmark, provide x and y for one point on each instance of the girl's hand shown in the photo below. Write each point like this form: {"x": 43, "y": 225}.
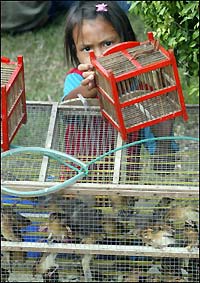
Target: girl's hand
{"x": 88, "y": 75}
{"x": 87, "y": 88}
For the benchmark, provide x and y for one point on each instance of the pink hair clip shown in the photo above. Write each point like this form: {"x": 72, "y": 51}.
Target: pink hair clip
{"x": 101, "y": 7}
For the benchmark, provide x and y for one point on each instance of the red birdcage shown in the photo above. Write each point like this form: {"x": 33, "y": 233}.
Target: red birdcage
{"x": 138, "y": 85}
{"x": 13, "y": 101}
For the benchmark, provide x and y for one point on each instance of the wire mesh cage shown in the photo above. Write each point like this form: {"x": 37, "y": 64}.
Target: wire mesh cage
{"x": 77, "y": 237}
{"x": 13, "y": 101}
{"x": 85, "y": 134}
{"x": 138, "y": 85}
{"x": 126, "y": 221}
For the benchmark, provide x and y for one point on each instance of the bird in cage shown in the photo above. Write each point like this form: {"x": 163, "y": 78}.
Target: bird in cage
{"x": 161, "y": 209}
{"x": 82, "y": 218}
{"x": 57, "y": 227}
{"x": 85, "y": 222}
{"x": 111, "y": 225}
{"x": 7, "y": 229}
{"x": 191, "y": 235}
{"x": 122, "y": 206}
{"x": 178, "y": 215}
{"x": 11, "y": 224}
{"x": 158, "y": 238}
{"x": 58, "y": 230}
{"x": 51, "y": 203}
{"x": 46, "y": 266}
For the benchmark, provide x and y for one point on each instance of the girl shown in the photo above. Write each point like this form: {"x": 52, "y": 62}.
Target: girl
{"x": 91, "y": 25}
{"x": 94, "y": 25}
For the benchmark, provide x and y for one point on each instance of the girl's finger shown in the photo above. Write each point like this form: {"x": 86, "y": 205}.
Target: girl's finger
{"x": 88, "y": 74}
{"x": 85, "y": 67}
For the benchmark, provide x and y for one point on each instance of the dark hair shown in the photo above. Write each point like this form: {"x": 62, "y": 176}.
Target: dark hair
{"x": 81, "y": 10}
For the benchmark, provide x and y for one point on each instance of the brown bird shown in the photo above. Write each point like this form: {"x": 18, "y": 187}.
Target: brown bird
{"x": 8, "y": 226}
{"x": 191, "y": 236}
{"x": 122, "y": 206}
{"x": 157, "y": 238}
{"x": 182, "y": 214}
{"x": 11, "y": 223}
{"x": 161, "y": 209}
{"x": 58, "y": 230}
{"x": 45, "y": 265}
{"x": 111, "y": 226}
{"x": 20, "y": 221}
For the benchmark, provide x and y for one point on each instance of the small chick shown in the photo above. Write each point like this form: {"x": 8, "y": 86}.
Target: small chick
{"x": 58, "y": 230}
{"x": 157, "y": 239}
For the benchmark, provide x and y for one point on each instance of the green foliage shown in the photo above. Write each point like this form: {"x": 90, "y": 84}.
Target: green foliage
{"x": 176, "y": 24}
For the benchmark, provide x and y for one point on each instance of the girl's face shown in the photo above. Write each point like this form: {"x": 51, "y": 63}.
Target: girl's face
{"x": 97, "y": 35}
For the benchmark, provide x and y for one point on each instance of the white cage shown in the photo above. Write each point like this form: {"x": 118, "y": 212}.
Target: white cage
{"x": 123, "y": 222}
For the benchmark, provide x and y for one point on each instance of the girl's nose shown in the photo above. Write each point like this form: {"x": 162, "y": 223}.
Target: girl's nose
{"x": 98, "y": 52}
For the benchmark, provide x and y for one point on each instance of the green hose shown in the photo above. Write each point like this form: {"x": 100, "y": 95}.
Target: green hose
{"x": 82, "y": 172}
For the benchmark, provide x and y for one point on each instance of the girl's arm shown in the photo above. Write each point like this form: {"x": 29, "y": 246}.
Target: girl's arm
{"x": 83, "y": 90}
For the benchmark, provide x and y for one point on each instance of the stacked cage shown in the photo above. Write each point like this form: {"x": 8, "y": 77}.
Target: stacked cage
{"x": 13, "y": 102}
{"x": 114, "y": 225}
{"x": 138, "y": 85}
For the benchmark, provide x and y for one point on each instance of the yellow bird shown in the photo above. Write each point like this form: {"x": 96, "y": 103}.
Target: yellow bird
{"x": 182, "y": 214}
{"x": 58, "y": 230}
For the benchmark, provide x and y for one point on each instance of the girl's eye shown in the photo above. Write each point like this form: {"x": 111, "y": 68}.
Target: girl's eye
{"x": 87, "y": 49}
{"x": 108, "y": 43}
